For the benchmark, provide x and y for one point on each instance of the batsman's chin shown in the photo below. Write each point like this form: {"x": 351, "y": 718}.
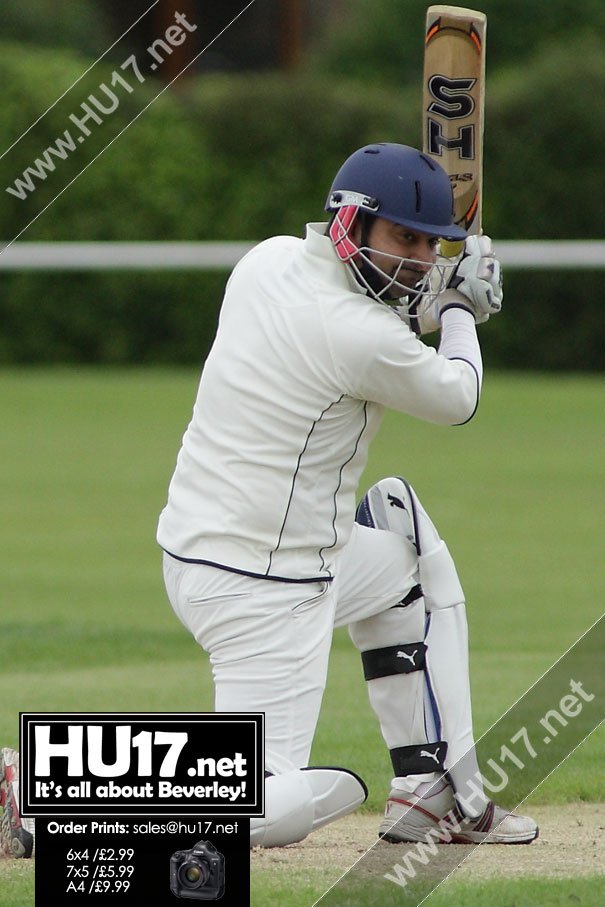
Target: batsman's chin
{"x": 411, "y": 282}
{"x": 400, "y": 290}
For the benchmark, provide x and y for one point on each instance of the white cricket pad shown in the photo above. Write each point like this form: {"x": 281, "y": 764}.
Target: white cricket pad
{"x": 303, "y": 800}
{"x": 439, "y": 579}
{"x": 289, "y": 811}
{"x": 448, "y": 674}
{"x": 336, "y": 793}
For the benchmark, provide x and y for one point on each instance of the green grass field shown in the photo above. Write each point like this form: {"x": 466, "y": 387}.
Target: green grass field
{"x": 519, "y": 494}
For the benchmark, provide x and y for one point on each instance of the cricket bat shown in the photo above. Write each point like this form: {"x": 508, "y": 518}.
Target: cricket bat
{"x": 453, "y": 102}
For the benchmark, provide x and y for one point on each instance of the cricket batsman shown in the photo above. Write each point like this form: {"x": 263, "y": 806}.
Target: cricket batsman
{"x": 17, "y": 834}
{"x": 265, "y": 551}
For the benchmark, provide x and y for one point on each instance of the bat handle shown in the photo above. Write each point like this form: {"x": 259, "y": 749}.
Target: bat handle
{"x": 451, "y": 249}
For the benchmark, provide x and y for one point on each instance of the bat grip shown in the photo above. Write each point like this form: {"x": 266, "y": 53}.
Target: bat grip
{"x": 450, "y": 249}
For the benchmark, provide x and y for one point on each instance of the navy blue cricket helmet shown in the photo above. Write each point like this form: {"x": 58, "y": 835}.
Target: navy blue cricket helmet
{"x": 400, "y": 184}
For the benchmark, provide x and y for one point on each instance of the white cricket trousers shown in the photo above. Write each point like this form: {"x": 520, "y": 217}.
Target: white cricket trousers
{"x": 269, "y": 642}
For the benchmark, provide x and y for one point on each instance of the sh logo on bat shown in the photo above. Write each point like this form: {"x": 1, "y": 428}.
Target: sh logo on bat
{"x": 452, "y": 101}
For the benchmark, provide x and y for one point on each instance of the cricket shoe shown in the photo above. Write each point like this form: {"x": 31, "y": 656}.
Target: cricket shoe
{"x": 16, "y": 833}
{"x": 436, "y": 817}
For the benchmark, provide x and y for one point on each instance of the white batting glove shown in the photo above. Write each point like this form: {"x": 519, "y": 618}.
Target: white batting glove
{"x": 477, "y": 278}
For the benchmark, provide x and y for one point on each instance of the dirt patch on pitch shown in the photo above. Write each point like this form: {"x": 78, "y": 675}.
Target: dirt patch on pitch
{"x": 571, "y": 843}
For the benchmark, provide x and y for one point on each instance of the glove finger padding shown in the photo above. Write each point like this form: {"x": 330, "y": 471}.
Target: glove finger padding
{"x": 478, "y": 276}
{"x": 480, "y": 245}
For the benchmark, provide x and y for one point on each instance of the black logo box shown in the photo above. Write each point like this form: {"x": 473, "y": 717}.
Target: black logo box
{"x": 141, "y": 763}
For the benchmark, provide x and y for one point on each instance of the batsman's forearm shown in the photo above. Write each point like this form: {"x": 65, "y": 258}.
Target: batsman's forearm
{"x": 459, "y": 341}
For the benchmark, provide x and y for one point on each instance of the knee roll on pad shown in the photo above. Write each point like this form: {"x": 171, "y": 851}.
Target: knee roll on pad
{"x": 303, "y": 800}
{"x": 392, "y": 504}
{"x": 439, "y": 579}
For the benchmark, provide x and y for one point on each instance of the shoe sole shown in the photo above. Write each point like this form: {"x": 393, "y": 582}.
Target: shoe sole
{"x": 459, "y": 839}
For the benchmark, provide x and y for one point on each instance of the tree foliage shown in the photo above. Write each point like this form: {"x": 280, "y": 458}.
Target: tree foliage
{"x": 241, "y": 157}
{"x": 67, "y": 24}
{"x": 545, "y": 131}
{"x": 381, "y": 41}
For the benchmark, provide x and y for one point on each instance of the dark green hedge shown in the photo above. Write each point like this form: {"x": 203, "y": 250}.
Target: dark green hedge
{"x": 155, "y": 317}
{"x": 57, "y": 23}
{"x": 241, "y": 157}
{"x": 380, "y": 42}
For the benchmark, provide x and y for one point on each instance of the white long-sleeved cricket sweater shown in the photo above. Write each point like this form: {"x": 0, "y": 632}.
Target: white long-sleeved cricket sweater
{"x": 291, "y": 394}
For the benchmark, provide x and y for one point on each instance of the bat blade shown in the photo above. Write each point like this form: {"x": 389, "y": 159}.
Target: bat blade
{"x": 453, "y": 101}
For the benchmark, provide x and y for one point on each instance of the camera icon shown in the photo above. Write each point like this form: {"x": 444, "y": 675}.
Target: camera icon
{"x": 199, "y": 873}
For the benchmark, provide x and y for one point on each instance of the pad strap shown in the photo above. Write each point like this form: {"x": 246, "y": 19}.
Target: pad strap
{"x": 413, "y": 595}
{"x": 386, "y": 662}
{"x": 418, "y": 759}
